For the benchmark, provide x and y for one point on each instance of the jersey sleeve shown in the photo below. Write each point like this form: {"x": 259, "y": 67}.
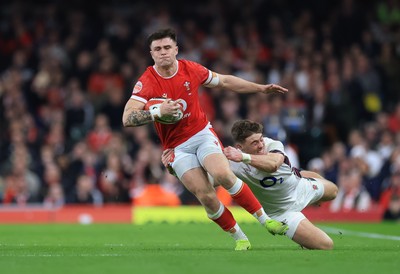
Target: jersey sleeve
{"x": 212, "y": 80}
{"x": 202, "y": 73}
{"x": 274, "y": 145}
{"x": 142, "y": 89}
{"x": 207, "y": 77}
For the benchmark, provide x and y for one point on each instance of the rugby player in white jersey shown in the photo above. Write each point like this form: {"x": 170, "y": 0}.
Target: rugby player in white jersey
{"x": 282, "y": 190}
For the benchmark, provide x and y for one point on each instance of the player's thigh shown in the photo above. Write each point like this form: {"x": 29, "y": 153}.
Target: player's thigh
{"x": 218, "y": 166}
{"x": 191, "y": 173}
{"x": 308, "y": 191}
{"x": 311, "y": 237}
{"x": 184, "y": 161}
{"x": 214, "y": 161}
{"x": 330, "y": 189}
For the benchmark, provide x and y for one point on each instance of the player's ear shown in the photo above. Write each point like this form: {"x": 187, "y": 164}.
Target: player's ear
{"x": 238, "y": 146}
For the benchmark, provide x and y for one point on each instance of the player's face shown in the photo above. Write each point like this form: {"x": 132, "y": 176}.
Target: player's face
{"x": 164, "y": 52}
{"x": 254, "y": 144}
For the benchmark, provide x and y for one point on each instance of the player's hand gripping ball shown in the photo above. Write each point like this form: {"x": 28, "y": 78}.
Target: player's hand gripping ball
{"x": 155, "y": 103}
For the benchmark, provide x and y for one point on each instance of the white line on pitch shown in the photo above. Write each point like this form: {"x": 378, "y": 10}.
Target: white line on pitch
{"x": 359, "y": 234}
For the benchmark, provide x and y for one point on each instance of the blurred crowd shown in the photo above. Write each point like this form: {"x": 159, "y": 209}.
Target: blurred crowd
{"x": 67, "y": 70}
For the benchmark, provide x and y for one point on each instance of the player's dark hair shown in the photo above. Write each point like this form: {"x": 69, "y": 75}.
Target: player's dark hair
{"x": 244, "y": 128}
{"x": 161, "y": 34}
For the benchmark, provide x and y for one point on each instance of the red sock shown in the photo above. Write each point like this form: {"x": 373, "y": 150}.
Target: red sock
{"x": 246, "y": 199}
{"x": 226, "y": 220}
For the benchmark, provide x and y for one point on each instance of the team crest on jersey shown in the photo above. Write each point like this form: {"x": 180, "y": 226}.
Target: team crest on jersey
{"x": 187, "y": 86}
{"x": 138, "y": 87}
{"x": 315, "y": 187}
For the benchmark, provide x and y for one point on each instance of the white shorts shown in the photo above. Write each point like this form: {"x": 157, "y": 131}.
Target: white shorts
{"x": 308, "y": 191}
{"x": 191, "y": 154}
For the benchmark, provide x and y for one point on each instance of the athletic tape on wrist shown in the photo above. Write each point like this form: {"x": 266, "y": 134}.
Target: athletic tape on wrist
{"x": 155, "y": 112}
{"x": 246, "y": 158}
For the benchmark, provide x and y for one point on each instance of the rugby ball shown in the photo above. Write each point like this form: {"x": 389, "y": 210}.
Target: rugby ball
{"x": 165, "y": 119}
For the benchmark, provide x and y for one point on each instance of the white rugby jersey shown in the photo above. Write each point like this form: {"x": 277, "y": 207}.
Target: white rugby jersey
{"x": 276, "y": 191}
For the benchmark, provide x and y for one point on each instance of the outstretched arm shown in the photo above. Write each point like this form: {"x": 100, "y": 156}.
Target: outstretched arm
{"x": 243, "y": 86}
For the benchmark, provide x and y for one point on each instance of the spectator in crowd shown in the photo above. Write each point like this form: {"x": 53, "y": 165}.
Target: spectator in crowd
{"x": 316, "y": 165}
{"x": 394, "y": 119}
{"x": 390, "y": 198}
{"x": 86, "y": 192}
{"x": 21, "y": 186}
{"x": 352, "y": 195}
{"x": 79, "y": 113}
{"x": 104, "y": 80}
{"x": 2, "y": 187}
{"x": 369, "y": 162}
{"x": 54, "y": 196}
{"x": 101, "y": 134}
{"x": 154, "y": 194}
{"x": 52, "y": 176}
{"x": 113, "y": 181}
{"x": 113, "y": 107}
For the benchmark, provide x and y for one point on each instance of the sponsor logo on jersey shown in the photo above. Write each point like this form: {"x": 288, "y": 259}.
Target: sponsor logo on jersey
{"x": 247, "y": 168}
{"x": 137, "y": 88}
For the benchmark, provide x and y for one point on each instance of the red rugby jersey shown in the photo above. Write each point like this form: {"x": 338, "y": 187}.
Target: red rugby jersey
{"x": 184, "y": 85}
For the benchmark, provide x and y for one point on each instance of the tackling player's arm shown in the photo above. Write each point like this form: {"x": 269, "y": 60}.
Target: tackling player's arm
{"x": 269, "y": 162}
{"x": 134, "y": 114}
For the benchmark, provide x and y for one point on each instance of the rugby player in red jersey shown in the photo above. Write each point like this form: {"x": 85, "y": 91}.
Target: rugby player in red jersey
{"x": 197, "y": 149}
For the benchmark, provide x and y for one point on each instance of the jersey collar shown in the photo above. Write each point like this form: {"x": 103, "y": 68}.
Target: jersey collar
{"x": 177, "y": 68}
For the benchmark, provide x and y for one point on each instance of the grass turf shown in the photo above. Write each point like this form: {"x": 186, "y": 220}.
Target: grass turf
{"x": 191, "y": 248}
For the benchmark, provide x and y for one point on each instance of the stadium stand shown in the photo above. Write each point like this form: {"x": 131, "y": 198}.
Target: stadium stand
{"x": 68, "y": 69}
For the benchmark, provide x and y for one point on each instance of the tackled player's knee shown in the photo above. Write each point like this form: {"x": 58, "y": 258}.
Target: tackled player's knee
{"x": 330, "y": 192}
{"x": 334, "y": 191}
{"x": 326, "y": 244}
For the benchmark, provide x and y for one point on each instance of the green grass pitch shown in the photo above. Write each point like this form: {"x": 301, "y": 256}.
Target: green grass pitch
{"x": 192, "y": 248}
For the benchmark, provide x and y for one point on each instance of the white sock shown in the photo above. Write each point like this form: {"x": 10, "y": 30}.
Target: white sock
{"x": 236, "y": 187}
{"x": 237, "y": 233}
{"x": 263, "y": 216}
{"x": 217, "y": 214}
